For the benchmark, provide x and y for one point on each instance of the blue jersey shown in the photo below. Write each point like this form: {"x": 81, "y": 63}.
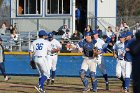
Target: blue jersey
{"x": 128, "y": 56}
{"x": 87, "y": 47}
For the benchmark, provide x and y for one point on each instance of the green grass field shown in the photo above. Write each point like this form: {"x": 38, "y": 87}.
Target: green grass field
{"x": 25, "y": 84}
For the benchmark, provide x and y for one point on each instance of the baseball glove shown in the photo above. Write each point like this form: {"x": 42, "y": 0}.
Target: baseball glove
{"x": 32, "y": 64}
{"x": 95, "y": 52}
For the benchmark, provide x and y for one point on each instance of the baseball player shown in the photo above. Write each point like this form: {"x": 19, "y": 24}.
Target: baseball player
{"x": 100, "y": 43}
{"x": 87, "y": 46}
{"x": 128, "y": 59}
{"x": 52, "y": 55}
{"x": 119, "y": 52}
{"x": 39, "y": 49}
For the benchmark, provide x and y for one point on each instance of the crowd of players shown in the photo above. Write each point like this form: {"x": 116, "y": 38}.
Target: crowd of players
{"x": 44, "y": 51}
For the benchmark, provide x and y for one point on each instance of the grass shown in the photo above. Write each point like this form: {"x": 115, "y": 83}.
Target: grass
{"x": 25, "y": 84}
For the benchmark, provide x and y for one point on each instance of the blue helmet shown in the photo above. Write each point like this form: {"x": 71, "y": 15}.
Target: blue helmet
{"x": 128, "y": 33}
{"x": 88, "y": 34}
{"x": 95, "y": 32}
{"x": 50, "y": 35}
{"x": 122, "y": 35}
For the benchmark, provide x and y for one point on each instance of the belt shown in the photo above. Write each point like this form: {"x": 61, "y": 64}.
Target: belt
{"x": 120, "y": 59}
{"x": 52, "y": 54}
{"x": 40, "y": 56}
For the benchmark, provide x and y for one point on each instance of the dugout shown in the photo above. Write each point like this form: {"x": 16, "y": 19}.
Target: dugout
{"x": 33, "y": 15}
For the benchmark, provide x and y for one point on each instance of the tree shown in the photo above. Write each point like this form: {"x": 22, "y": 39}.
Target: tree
{"x": 1, "y": 1}
{"x": 128, "y": 7}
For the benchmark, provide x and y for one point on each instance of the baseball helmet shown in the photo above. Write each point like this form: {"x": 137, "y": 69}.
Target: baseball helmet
{"x": 50, "y": 35}
{"x": 95, "y": 32}
{"x": 88, "y": 34}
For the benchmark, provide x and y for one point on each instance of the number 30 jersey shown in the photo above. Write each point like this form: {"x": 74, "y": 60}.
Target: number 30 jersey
{"x": 39, "y": 47}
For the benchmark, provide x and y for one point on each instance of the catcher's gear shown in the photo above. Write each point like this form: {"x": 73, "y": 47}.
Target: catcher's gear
{"x": 95, "y": 52}
{"x": 32, "y": 64}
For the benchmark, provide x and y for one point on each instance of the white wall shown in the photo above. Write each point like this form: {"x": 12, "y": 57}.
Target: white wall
{"x": 13, "y": 8}
{"x": 107, "y": 8}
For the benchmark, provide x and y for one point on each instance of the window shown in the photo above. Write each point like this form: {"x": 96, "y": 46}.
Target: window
{"x": 58, "y": 6}
{"x": 29, "y": 7}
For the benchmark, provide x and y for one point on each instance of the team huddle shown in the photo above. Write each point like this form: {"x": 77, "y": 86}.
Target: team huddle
{"x": 44, "y": 52}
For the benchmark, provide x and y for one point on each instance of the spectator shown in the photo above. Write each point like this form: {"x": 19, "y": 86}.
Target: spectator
{"x": 100, "y": 33}
{"x": 109, "y": 32}
{"x": 77, "y": 17}
{"x": 87, "y": 29}
{"x": 3, "y": 28}
{"x": 75, "y": 36}
{"x": 2, "y": 59}
{"x": 137, "y": 28}
{"x": 63, "y": 30}
{"x": 117, "y": 32}
{"x": 67, "y": 35}
{"x": 64, "y": 48}
{"x": 11, "y": 28}
{"x": 124, "y": 27}
{"x": 14, "y": 36}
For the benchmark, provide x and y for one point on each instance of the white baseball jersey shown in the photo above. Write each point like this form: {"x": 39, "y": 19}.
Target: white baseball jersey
{"x": 54, "y": 44}
{"x": 40, "y": 47}
{"x": 120, "y": 48}
{"x": 120, "y": 67}
{"x": 52, "y": 57}
{"x": 100, "y": 43}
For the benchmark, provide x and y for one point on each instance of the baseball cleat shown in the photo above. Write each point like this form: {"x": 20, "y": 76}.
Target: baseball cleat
{"x": 40, "y": 90}
{"x": 93, "y": 90}
{"x": 48, "y": 81}
{"x": 126, "y": 91}
{"x": 6, "y": 78}
{"x": 85, "y": 89}
{"x": 52, "y": 82}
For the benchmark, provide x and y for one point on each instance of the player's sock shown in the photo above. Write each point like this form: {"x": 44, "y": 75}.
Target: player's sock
{"x": 94, "y": 85}
{"x": 85, "y": 82}
{"x": 106, "y": 78}
{"x": 53, "y": 74}
{"x": 123, "y": 81}
{"x": 41, "y": 82}
{"x": 127, "y": 82}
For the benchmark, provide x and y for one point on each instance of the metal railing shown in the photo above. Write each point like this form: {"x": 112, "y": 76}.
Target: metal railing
{"x": 22, "y": 44}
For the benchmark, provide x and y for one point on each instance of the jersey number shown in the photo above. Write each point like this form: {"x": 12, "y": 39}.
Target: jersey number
{"x": 39, "y": 46}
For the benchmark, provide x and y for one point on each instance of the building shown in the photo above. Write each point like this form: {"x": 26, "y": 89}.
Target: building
{"x": 32, "y": 15}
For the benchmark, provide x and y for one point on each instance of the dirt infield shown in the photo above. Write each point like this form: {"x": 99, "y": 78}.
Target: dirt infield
{"x": 25, "y": 84}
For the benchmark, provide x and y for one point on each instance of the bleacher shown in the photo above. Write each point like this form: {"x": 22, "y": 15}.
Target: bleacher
{"x": 22, "y": 44}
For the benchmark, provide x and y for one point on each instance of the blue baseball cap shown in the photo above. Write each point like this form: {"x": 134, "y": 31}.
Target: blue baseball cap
{"x": 88, "y": 34}
{"x": 42, "y": 33}
{"x": 50, "y": 35}
{"x": 95, "y": 32}
{"x": 122, "y": 35}
{"x": 128, "y": 33}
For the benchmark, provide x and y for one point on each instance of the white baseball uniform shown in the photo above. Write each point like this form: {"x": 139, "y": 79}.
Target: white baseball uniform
{"x": 52, "y": 57}
{"x": 40, "y": 48}
{"x": 120, "y": 67}
{"x": 100, "y": 61}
